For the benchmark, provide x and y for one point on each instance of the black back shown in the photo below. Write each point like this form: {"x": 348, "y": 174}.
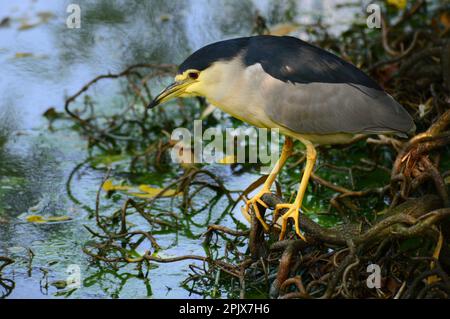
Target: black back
{"x": 287, "y": 59}
{"x": 219, "y": 51}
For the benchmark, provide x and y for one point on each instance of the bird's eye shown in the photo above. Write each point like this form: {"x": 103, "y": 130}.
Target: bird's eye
{"x": 193, "y": 75}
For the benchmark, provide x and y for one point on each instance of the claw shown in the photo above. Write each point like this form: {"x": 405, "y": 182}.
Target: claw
{"x": 293, "y": 212}
{"x": 254, "y": 202}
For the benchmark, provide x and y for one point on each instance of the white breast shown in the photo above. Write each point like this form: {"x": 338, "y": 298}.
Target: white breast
{"x": 240, "y": 94}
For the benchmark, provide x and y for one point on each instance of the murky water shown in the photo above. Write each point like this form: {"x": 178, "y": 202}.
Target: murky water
{"x": 43, "y": 61}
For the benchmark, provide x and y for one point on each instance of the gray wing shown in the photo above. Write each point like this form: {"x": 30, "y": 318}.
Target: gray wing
{"x": 327, "y": 108}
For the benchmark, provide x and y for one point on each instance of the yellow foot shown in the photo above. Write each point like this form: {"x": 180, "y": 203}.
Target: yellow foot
{"x": 254, "y": 202}
{"x": 293, "y": 212}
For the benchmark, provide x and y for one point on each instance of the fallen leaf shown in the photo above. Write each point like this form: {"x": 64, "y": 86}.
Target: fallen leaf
{"x": 45, "y": 15}
{"x": 59, "y": 284}
{"x": 109, "y": 186}
{"x": 147, "y": 191}
{"x": 23, "y": 55}
{"x": 35, "y": 219}
{"x": 155, "y": 191}
{"x": 27, "y": 26}
{"x": 165, "y": 17}
{"x": 52, "y": 219}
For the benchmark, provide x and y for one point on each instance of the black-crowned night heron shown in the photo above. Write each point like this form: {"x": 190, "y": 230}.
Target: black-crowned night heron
{"x": 282, "y": 82}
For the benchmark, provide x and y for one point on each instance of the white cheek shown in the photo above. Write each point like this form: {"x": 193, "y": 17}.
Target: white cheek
{"x": 194, "y": 89}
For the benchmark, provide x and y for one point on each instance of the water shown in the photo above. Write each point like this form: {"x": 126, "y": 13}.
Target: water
{"x": 42, "y": 62}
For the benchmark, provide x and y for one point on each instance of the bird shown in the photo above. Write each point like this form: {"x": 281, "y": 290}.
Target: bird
{"x": 285, "y": 83}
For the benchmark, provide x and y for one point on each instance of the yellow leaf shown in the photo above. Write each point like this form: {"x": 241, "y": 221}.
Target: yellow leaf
{"x": 35, "y": 219}
{"x": 27, "y": 26}
{"x": 148, "y": 191}
{"x": 109, "y": 186}
{"x": 227, "y": 160}
{"x": 165, "y": 17}
{"x": 23, "y": 55}
{"x": 399, "y": 4}
{"x": 151, "y": 191}
{"x": 39, "y": 219}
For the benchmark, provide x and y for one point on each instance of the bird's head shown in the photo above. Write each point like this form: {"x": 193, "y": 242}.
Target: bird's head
{"x": 202, "y": 71}
{"x": 183, "y": 86}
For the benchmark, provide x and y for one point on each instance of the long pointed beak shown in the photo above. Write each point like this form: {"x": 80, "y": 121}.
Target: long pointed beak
{"x": 172, "y": 91}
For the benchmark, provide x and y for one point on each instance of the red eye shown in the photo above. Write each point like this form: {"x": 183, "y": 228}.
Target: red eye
{"x": 193, "y": 75}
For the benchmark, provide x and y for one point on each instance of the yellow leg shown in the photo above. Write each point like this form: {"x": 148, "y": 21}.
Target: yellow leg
{"x": 285, "y": 153}
{"x": 294, "y": 208}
